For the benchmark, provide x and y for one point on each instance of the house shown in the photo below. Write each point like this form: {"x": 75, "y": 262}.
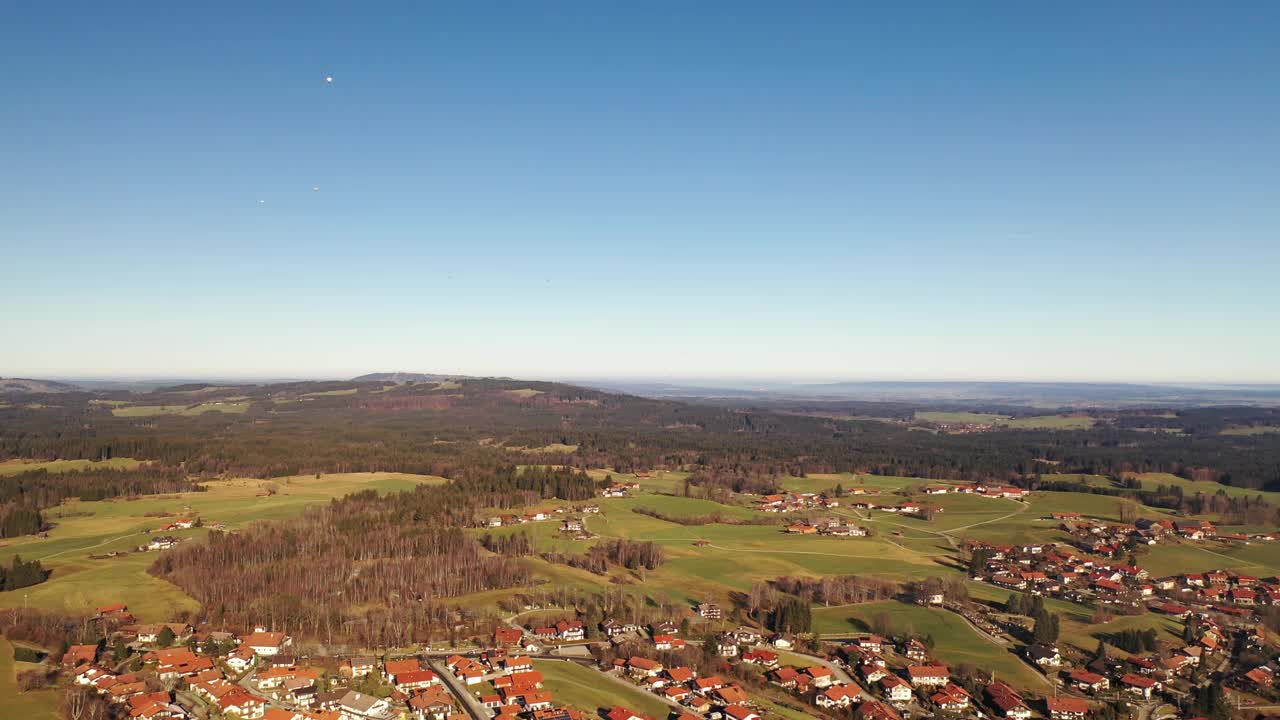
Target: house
{"x": 763, "y": 658}
{"x": 242, "y": 704}
{"x": 951, "y": 698}
{"x": 705, "y": 686}
{"x": 928, "y": 675}
{"x": 434, "y": 704}
{"x": 739, "y": 712}
{"x": 644, "y": 667}
{"x": 508, "y": 636}
{"x": 357, "y": 666}
{"x": 571, "y": 630}
{"x": 358, "y": 706}
{"x": 916, "y": 650}
{"x": 1066, "y": 708}
{"x": 162, "y": 542}
{"x": 612, "y": 627}
{"x": 1139, "y": 684}
{"x": 1262, "y": 677}
{"x": 394, "y": 668}
{"x": 875, "y": 710}
{"x": 1089, "y": 681}
{"x": 895, "y": 688}
{"x": 1008, "y": 701}
{"x": 265, "y": 643}
{"x": 836, "y": 696}
{"x": 417, "y": 680}
{"x": 78, "y": 655}
{"x": 1046, "y": 656}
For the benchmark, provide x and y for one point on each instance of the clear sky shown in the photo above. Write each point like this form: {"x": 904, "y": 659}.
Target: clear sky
{"x": 1069, "y": 191}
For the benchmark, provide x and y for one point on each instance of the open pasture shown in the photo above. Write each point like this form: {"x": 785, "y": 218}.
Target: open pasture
{"x": 955, "y": 641}
{"x": 234, "y": 407}
{"x": 14, "y": 467}
{"x": 14, "y": 705}
{"x": 584, "y": 689}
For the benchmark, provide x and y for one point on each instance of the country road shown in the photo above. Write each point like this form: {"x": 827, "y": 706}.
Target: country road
{"x": 459, "y": 690}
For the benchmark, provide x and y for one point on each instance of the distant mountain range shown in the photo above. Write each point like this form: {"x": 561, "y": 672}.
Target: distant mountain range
{"x": 1020, "y": 393}
{"x": 403, "y": 377}
{"x": 28, "y": 386}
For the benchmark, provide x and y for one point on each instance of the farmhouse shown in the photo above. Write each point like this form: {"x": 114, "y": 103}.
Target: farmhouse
{"x": 1066, "y": 708}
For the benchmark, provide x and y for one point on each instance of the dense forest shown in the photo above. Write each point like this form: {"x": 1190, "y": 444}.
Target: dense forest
{"x": 476, "y": 427}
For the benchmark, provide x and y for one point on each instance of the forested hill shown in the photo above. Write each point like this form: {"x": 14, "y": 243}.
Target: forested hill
{"x": 459, "y": 425}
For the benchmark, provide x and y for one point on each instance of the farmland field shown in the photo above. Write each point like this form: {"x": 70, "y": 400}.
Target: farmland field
{"x": 955, "y": 641}
{"x": 1251, "y": 430}
{"x": 331, "y": 393}
{"x": 186, "y": 410}
{"x": 13, "y": 467}
{"x": 35, "y": 705}
{"x": 1051, "y": 422}
{"x": 586, "y": 690}
{"x": 1085, "y": 635}
{"x": 1169, "y": 558}
{"x": 1191, "y": 487}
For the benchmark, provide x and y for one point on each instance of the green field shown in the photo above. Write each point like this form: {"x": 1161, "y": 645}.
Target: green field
{"x": 585, "y": 689}
{"x": 525, "y": 392}
{"x": 1051, "y": 422}
{"x": 13, "y": 467}
{"x": 1191, "y": 487}
{"x": 1251, "y": 430}
{"x": 331, "y": 393}
{"x": 1262, "y": 559}
{"x": 80, "y": 583}
{"x": 1085, "y": 635}
{"x": 186, "y": 410}
{"x": 955, "y": 641}
{"x": 36, "y": 705}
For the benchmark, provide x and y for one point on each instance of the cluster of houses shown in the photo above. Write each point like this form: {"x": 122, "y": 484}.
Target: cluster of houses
{"x": 1007, "y": 492}
{"x": 508, "y": 519}
{"x": 832, "y": 528}
{"x": 908, "y": 507}
{"x": 179, "y": 524}
{"x": 795, "y": 502}
{"x": 1063, "y": 571}
{"x": 683, "y": 685}
{"x": 617, "y": 489}
{"x": 201, "y": 674}
{"x": 160, "y": 542}
{"x": 251, "y": 678}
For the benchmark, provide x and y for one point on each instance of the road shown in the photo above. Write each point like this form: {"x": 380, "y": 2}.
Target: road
{"x": 468, "y": 701}
{"x": 839, "y": 672}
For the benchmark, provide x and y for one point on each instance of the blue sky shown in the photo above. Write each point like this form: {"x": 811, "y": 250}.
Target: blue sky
{"x": 822, "y": 191}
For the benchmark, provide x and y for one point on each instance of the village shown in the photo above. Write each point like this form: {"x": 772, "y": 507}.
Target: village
{"x": 695, "y": 666}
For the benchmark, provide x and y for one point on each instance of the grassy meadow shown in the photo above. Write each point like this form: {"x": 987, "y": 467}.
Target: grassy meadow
{"x": 35, "y": 705}
{"x": 955, "y": 642}
{"x": 584, "y": 689}
{"x": 133, "y": 411}
{"x": 14, "y": 467}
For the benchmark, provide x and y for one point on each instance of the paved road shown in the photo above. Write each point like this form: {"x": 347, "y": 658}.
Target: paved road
{"x": 468, "y": 701}
{"x": 835, "y": 668}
